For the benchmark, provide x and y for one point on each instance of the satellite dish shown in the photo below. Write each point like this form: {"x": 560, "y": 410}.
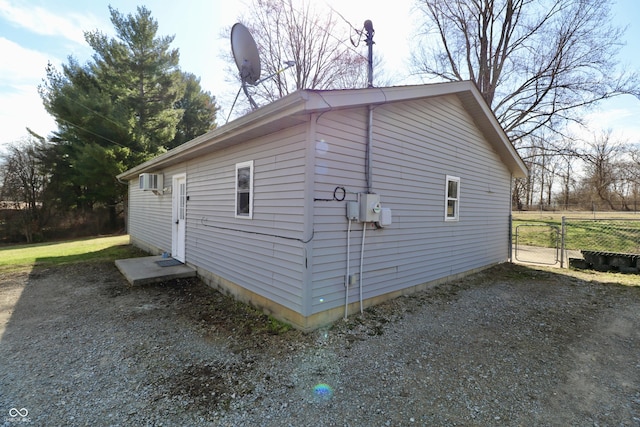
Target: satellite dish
{"x": 245, "y": 53}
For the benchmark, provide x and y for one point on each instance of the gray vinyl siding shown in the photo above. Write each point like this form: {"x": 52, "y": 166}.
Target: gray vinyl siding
{"x": 149, "y": 217}
{"x": 339, "y": 163}
{"x": 416, "y": 144}
{"x": 260, "y": 254}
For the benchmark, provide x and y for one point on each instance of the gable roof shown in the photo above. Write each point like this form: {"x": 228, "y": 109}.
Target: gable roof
{"x": 295, "y": 108}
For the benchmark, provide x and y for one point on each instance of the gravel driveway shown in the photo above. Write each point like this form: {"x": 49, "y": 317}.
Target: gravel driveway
{"x": 510, "y": 346}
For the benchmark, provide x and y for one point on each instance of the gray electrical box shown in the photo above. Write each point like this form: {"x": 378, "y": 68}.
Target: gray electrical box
{"x": 370, "y": 207}
{"x": 385, "y": 217}
{"x": 353, "y": 211}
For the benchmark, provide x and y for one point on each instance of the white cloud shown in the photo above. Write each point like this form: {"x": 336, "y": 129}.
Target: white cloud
{"x": 20, "y": 65}
{"x": 21, "y": 109}
{"x": 45, "y": 22}
{"x": 20, "y": 104}
{"x": 620, "y": 115}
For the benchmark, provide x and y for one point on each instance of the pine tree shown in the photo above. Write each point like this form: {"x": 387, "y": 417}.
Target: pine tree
{"x": 121, "y": 108}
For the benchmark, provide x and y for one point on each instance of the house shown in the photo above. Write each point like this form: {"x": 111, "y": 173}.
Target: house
{"x": 324, "y": 202}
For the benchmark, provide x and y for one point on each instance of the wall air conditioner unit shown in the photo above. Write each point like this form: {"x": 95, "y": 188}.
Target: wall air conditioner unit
{"x": 151, "y": 182}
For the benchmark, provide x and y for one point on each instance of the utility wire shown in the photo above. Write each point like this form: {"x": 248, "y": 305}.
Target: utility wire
{"x": 92, "y": 133}
{"x": 301, "y": 15}
{"x": 204, "y": 220}
{"x": 97, "y": 114}
{"x": 358, "y": 32}
{"x": 339, "y": 40}
{"x": 92, "y": 110}
{"x": 351, "y": 48}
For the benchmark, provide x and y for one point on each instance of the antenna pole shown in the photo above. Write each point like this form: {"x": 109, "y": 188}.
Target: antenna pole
{"x": 368, "y": 27}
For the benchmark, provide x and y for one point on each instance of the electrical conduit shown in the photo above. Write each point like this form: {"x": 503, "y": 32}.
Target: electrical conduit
{"x": 364, "y": 229}
{"x": 347, "y": 278}
{"x": 368, "y": 176}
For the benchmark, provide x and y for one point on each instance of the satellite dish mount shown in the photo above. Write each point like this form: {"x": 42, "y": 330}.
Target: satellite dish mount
{"x": 245, "y": 53}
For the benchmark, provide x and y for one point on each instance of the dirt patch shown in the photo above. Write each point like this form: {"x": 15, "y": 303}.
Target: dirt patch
{"x": 509, "y": 346}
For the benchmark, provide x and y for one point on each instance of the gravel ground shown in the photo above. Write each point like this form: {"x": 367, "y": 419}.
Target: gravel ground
{"x": 509, "y": 346}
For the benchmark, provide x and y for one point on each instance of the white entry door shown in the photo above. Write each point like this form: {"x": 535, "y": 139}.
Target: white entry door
{"x": 179, "y": 227}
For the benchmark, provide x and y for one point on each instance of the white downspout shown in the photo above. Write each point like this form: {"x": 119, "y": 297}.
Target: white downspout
{"x": 364, "y": 229}
{"x": 368, "y": 173}
{"x": 368, "y": 163}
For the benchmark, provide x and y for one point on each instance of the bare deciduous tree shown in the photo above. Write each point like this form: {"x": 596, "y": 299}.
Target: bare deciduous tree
{"x": 547, "y": 156}
{"x": 602, "y": 159}
{"x": 24, "y": 181}
{"x": 566, "y": 174}
{"x": 536, "y": 62}
{"x": 323, "y": 55}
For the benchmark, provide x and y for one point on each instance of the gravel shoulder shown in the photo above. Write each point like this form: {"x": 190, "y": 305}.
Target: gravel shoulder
{"x": 509, "y": 346}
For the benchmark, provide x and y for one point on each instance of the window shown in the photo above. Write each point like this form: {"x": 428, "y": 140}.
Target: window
{"x": 182, "y": 201}
{"x": 244, "y": 190}
{"x": 452, "y": 198}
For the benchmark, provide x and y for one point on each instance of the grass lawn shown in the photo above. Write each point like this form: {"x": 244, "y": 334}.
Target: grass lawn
{"x": 14, "y": 258}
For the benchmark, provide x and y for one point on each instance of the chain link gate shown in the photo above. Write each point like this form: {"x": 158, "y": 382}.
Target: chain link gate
{"x": 537, "y": 244}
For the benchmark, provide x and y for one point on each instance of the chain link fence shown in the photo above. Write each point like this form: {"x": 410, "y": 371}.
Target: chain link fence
{"x": 600, "y": 209}
{"x": 600, "y": 244}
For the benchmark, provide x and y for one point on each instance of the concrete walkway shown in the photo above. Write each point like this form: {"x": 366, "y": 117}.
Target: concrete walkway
{"x": 542, "y": 256}
{"x": 144, "y": 270}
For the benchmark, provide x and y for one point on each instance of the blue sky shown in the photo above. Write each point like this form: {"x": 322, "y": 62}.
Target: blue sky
{"x": 35, "y": 32}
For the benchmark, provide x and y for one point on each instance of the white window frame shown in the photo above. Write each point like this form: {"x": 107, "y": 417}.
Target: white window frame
{"x": 239, "y": 166}
{"x": 455, "y": 200}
